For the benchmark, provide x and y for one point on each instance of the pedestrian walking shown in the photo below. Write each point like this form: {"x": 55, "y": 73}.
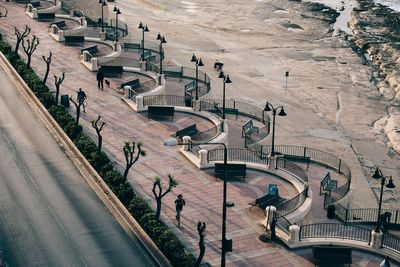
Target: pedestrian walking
{"x": 385, "y": 262}
{"x": 179, "y": 203}
{"x": 81, "y": 98}
{"x": 100, "y": 78}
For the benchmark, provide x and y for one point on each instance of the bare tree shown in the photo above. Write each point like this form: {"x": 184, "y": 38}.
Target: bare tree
{"x": 48, "y": 62}
{"x": 159, "y": 195}
{"x": 201, "y": 227}
{"x": 80, "y": 100}
{"x": 21, "y": 36}
{"x": 57, "y": 82}
{"x": 30, "y": 47}
{"x": 95, "y": 125}
{"x": 130, "y": 149}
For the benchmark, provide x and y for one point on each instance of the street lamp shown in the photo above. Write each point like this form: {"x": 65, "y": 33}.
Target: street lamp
{"x": 103, "y": 4}
{"x": 117, "y": 12}
{"x": 144, "y": 29}
{"x": 198, "y": 63}
{"x": 162, "y": 41}
{"x": 378, "y": 175}
{"x": 269, "y": 107}
{"x": 225, "y": 80}
{"x": 226, "y": 243}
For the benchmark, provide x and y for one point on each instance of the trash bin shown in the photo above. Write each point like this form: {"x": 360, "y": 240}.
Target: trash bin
{"x": 65, "y": 101}
{"x": 331, "y": 212}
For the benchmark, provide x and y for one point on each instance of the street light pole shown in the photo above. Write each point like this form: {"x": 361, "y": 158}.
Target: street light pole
{"x": 378, "y": 175}
{"x": 103, "y": 4}
{"x": 269, "y": 107}
{"x": 162, "y": 41}
{"x": 144, "y": 29}
{"x": 198, "y": 63}
{"x": 117, "y": 12}
{"x": 225, "y": 80}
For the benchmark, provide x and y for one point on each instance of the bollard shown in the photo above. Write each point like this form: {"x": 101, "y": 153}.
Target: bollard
{"x": 203, "y": 157}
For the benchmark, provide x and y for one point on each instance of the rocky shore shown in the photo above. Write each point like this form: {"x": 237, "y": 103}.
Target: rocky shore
{"x": 377, "y": 40}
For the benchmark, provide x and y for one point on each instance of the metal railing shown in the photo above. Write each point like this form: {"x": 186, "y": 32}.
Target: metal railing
{"x": 391, "y": 242}
{"x": 292, "y": 204}
{"x": 109, "y": 25}
{"x": 238, "y": 154}
{"x": 118, "y": 61}
{"x": 164, "y": 100}
{"x": 292, "y": 168}
{"x": 152, "y": 67}
{"x": 208, "y": 134}
{"x": 190, "y": 74}
{"x": 282, "y": 222}
{"x": 335, "y": 230}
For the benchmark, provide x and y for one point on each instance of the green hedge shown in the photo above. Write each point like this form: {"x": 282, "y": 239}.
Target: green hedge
{"x": 165, "y": 239}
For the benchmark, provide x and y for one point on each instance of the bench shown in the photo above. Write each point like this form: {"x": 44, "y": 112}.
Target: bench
{"x": 249, "y": 128}
{"x": 233, "y": 170}
{"x": 331, "y": 254}
{"x": 59, "y": 24}
{"x": 174, "y": 74}
{"x": 327, "y": 184}
{"x": 131, "y": 46}
{"x": 306, "y": 160}
{"x": 187, "y": 131}
{"x": 112, "y": 71}
{"x": 134, "y": 84}
{"x": 271, "y": 198}
{"x": 189, "y": 87}
{"x": 147, "y": 56}
{"x": 74, "y": 40}
{"x": 46, "y": 16}
{"x": 35, "y": 4}
{"x": 160, "y": 112}
{"x": 90, "y": 49}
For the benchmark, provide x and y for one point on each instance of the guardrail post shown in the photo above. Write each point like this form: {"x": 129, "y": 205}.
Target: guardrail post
{"x": 203, "y": 154}
{"x": 196, "y": 105}
{"x": 294, "y": 237}
{"x": 102, "y": 36}
{"x": 340, "y": 164}
{"x": 269, "y": 211}
{"x": 139, "y": 103}
{"x": 304, "y": 152}
{"x": 376, "y": 239}
{"x": 396, "y": 217}
{"x": 186, "y": 141}
{"x": 346, "y": 216}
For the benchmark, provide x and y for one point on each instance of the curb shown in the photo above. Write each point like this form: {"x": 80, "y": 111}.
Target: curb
{"x": 94, "y": 180}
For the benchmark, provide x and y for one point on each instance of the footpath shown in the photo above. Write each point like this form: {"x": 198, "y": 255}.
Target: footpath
{"x": 202, "y": 192}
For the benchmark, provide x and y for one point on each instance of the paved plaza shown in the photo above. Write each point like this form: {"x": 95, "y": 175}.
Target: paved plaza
{"x": 202, "y": 192}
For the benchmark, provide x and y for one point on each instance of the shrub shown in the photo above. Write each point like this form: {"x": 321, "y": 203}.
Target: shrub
{"x": 85, "y": 145}
{"x": 113, "y": 178}
{"x": 125, "y": 193}
{"x": 138, "y": 207}
{"x": 72, "y": 130}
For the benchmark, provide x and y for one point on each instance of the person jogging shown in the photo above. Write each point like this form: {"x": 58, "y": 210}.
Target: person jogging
{"x": 179, "y": 203}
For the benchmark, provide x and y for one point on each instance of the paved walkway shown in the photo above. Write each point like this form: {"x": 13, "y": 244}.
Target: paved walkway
{"x": 200, "y": 189}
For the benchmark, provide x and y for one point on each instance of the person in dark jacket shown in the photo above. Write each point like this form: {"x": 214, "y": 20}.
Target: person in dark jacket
{"x": 100, "y": 79}
{"x": 179, "y": 203}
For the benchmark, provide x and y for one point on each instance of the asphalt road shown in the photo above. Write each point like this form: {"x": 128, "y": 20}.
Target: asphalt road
{"x": 48, "y": 215}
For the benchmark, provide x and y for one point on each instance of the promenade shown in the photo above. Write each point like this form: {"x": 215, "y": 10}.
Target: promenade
{"x": 203, "y": 193}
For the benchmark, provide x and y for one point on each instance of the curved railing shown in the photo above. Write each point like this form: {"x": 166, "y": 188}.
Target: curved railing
{"x": 118, "y": 61}
{"x": 391, "y": 242}
{"x": 208, "y": 134}
{"x": 163, "y": 100}
{"x": 282, "y": 222}
{"x": 336, "y": 231}
{"x": 190, "y": 74}
{"x": 292, "y": 204}
{"x": 293, "y": 168}
{"x": 237, "y": 154}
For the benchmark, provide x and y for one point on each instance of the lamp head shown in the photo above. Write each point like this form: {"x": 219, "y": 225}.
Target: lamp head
{"x": 163, "y": 41}
{"x": 221, "y": 75}
{"x": 146, "y": 29}
{"x": 390, "y": 184}
{"x": 115, "y": 9}
{"x": 228, "y": 80}
{"x": 158, "y": 37}
{"x": 267, "y": 107}
{"x": 377, "y": 174}
{"x": 140, "y": 25}
{"x": 200, "y": 63}
{"x": 118, "y": 11}
{"x": 194, "y": 58}
{"x": 282, "y": 112}
{"x": 100, "y": 1}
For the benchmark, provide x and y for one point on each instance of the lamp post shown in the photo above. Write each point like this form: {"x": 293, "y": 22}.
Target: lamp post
{"x": 144, "y": 29}
{"x": 103, "y": 4}
{"x": 117, "y": 12}
{"x": 225, "y": 79}
{"x": 198, "y": 63}
{"x": 269, "y": 107}
{"x": 378, "y": 175}
{"x": 226, "y": 243}
{"x": 162, "y": 41}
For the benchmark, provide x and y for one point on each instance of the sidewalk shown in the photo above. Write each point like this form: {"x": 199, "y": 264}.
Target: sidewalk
{"x": 202, "y": 192}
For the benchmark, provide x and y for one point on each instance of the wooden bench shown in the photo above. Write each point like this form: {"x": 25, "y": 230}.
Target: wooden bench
{"x": 131, "y": 46}
{"x": 148, "y": 56}
{"x": 327, "y": 184}
{"x": 174, "y": 74}
{"x": 233, "y": 170}
{"x": 90, "y": 49}
{"x": 331, "y": 254}
{"x": 112, "y": 71}
{"x": 74, "y": 40}
{"x": 59, "y": 24}
{"x": 249, "y": 128}
{"x": 160, "y": 112}
{"x": 46, "y": 16}
{"x": 134, "y": 84}
{"x": 187, "y": 131}
{"x": 264, "y": 201}
{"x": 189, "y": 87}
{"x": 306, "y": 160}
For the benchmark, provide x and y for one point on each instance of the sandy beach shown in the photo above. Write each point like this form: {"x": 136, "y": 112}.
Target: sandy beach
{"x": 330, "y": 101}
